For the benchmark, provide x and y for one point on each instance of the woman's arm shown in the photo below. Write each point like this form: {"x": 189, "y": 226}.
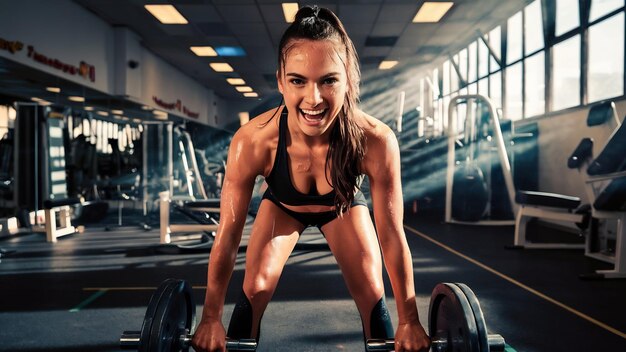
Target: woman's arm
{"x": 242, "y": 168}
{"x": 383, "y": 170}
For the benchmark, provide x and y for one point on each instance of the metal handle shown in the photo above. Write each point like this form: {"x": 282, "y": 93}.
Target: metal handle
{"x": 496, "y": 343}
{"x": 130, "y": 340}
{"x": 240, "y": 345}
{"x": 437, "y": 344}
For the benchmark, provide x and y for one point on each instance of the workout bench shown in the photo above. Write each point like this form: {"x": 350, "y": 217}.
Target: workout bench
{"x": 166, "y": 229}
{"x": 62, "y": 206}
{"x": 605, "y": 186}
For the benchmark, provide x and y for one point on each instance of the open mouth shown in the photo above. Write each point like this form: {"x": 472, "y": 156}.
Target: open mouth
{"x": 313, "y": 116}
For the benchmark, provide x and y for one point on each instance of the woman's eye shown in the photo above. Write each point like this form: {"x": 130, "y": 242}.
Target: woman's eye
{"x": 330, "y": 81}
{"x": 297, "y": 81}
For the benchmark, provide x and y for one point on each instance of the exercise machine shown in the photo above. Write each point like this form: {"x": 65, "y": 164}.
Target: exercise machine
{"x": 474, "y": 132}
{"x": 604, "y": 179}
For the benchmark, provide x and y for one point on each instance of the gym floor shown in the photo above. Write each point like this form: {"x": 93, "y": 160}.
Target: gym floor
{"x": 82, "y": 292}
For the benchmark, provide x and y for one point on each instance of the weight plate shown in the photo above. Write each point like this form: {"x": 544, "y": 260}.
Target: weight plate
{"x": 146, "y": 326}
{"x": 450, "y": 317}
{"x": 175, "y": 315}
{"x": 479, "y": 318}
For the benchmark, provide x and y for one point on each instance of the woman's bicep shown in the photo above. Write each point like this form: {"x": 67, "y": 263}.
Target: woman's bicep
{"x": 386, "y": 185}
{"x": 242, "y": 167}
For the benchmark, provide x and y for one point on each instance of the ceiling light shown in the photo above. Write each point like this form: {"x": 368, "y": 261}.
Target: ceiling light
{"x": 386, "y": 65}
{"x": 76, "y": 98}
{"x": 117, "y": 112}
{"x": 146, "y": 107}
{"x": 244, "y": 117}
{"x": 88, "y": 108}
{"x": 432, "y": 12}
{"x": 166, "y": 14}
{"x": 102, "y": 113}
{"x": 40, "y": 101}
{"x": 235, "y": 81}
{"x": 221, "y": 67}
{"x": 53, "y": 89}
{"x": 243, "y": 89}
{"x": 230, "y": 51}
{"x": 289, "y": 10}
{"x": 251, "y": 95}
{"x": 203, "y": 50}
{"x": 160, "y": 115}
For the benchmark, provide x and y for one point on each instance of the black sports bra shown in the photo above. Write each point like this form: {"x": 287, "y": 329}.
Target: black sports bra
{"x": 279, "y": 179}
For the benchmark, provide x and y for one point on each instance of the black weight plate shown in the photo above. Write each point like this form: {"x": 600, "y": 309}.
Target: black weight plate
{"x": 175, "y": 315}
{"x": 149, "y": 317}
{"x": 479, "y": 318}
{"x": 450, "y": 317}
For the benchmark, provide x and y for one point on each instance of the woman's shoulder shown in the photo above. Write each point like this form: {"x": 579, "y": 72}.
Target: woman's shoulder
{"x": 255, "y": 142}
{"x": 375, "y": 130}
{"x": 261, "y": 128}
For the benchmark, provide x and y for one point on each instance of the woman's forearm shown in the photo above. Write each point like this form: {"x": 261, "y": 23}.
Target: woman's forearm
{"x": 399, "y": 266}
{"x": 221, "y": 265}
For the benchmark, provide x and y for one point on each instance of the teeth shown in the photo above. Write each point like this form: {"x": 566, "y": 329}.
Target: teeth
{"x": 313, "y": 112}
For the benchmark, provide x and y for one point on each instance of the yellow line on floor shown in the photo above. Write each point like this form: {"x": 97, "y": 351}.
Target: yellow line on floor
{"x": 521, "y": 285}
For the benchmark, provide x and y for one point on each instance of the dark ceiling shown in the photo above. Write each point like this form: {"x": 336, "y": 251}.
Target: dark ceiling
{"x": 380, "y": 29}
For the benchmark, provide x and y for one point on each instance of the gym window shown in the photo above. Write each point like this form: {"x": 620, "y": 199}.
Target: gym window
{"x": 600, "y": 8}
{"x": 495, "y": 42}
{"x": 514, "y": 92}
{"x": 533, "y": 28}
{"x": 534, "y": 85}
{"x": 514, "y": 38}
{"x": 566, "y": 73}
{"x": 606, "y": 57}
{"x": 567, "y": 16}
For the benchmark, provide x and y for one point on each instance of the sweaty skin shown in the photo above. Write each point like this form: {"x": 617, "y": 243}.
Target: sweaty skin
{"x": 313, "y": 79}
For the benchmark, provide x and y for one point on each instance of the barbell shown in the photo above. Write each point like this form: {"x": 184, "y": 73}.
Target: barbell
{"x": 455, "y": 320}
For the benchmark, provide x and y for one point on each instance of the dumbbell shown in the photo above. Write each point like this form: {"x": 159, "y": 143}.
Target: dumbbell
{"x": 455, "y": 320}
{"x": 168, "y": 321}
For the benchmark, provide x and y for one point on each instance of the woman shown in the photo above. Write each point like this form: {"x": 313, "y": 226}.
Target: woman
{"x": 313, "y": 152}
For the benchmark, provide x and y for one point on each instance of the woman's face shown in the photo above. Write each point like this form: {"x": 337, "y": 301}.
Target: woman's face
{"x": 314, "y": 84}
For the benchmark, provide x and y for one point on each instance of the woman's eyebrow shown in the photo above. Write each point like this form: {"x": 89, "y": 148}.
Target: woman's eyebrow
{"x": 297, "y": 75}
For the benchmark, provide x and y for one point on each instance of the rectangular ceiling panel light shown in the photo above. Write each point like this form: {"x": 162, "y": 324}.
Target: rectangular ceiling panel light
{"x": 386, "y": 65}
{"x": 230, "y": 51}
{"x": 203, "y": 50}
{"x": 235, "y": 81}
{"x": 76, "y": 99}
{"x": 289, "y": 10}
{"x": 431, "y": 12}
{"x": 251, "y": 95}
{"x": 221, "y": 67}
{"x": 243, "y": 89}
{"x": 53, "y": 89}
{"x": 244, "y": 117}
{"x": 166, "y": 14}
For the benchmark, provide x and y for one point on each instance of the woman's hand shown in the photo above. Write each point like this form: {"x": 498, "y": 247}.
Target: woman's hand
{"x": 411, "y": 337}
{"x": 210, "y": 336}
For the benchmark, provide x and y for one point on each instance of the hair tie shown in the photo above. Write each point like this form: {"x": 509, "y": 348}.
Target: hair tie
{"x": 316, "y": 11}
{"x": 314, "y": 16}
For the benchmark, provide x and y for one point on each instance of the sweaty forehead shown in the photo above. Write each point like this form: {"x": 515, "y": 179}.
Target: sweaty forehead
{"x": 318, "y": 54}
